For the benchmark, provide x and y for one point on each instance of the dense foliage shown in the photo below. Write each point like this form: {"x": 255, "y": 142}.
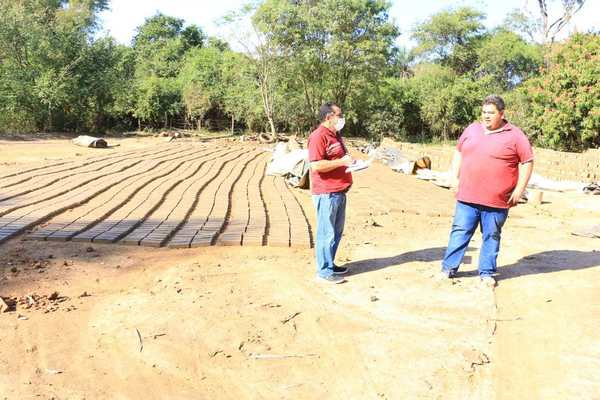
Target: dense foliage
{"x": 58, "y": 74}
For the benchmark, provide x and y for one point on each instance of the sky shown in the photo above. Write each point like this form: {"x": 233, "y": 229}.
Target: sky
{"x": 125, "y": 15}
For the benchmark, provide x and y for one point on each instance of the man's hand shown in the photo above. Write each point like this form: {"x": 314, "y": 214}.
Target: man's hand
{"x": 346, "y": 160}
{"x": 515, "y": 197}
{"x": 329, "y": 165}
{"x": 453, "y": 182}
{"x": 525, "y": 170}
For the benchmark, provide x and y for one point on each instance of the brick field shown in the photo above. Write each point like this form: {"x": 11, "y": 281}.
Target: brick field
{"x": 177, "y": 195}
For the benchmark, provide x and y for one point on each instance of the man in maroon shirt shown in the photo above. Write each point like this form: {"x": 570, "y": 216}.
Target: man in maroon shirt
{"x": 329, "y": 159}
{"x": 493, "y": 162}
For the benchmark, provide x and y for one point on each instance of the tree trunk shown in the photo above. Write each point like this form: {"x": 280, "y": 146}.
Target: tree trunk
{"x": 232, "y": 123}
{"x": 272, "y": 125}
{"x": 49, "y": 118}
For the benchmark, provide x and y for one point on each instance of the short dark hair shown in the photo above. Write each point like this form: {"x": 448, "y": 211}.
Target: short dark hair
{"x": 495, "y": 100}
{"x": 325, "y": 110}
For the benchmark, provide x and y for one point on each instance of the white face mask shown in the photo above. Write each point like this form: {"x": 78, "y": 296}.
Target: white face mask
{"x": 340, "y": 124}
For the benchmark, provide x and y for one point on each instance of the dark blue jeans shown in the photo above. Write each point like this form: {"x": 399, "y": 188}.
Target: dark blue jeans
{"x": 331, "y": 215}
{"x": 466, "y": 219}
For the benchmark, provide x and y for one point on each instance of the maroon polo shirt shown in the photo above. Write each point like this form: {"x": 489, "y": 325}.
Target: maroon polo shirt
{"x": 325, "y": 144}
{"x": 490, "y": 164}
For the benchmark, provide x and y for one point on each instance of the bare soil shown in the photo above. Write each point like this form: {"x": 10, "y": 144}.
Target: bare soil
{"x": 105, "y": 321}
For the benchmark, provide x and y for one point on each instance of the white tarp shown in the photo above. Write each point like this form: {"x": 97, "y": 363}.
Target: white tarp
{"x": 539, "y": 182}
{"x": 284, "y": 161}
{"x": 90, "y": 141}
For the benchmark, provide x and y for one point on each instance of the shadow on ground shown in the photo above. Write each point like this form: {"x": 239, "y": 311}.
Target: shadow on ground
{"x": 550, "y": 261}
{"x": 374, "y": 264}
{"x": 544, "y": 263}
{"x": 540, "y": 263}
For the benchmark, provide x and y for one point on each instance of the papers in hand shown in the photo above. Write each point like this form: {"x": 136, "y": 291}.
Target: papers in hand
{"x": 358, "y": 165}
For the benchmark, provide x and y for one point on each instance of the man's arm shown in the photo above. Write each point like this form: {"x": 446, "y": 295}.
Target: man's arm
{"x": 455, "y": 169}
{"x": 329, "y": 165}
{"x": 525, "y": 171}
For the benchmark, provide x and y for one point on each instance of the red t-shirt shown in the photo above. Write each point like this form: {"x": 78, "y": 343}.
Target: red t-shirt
{"x": 324, "y": 144}
{"x": 490, "y": 164}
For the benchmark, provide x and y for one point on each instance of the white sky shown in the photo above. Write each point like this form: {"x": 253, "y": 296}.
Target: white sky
{"x": 125, "y": 15}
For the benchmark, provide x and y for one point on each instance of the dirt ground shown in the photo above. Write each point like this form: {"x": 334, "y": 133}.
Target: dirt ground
{"x": 121, "y": 322}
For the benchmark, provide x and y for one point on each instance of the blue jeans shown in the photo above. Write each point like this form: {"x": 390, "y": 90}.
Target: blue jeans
{"x": 331, "y": 214}
{"x": 466, "y": 219}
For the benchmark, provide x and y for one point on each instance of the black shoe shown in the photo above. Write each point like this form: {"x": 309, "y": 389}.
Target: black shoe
{"x": 331, "y": 279}
{"x": 339, "y": 270}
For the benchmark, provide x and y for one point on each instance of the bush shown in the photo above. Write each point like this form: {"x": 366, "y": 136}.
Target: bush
{"x": 397, "y": 111}
{"x": 448, "y": 102}
{"x": 564, "y": 101}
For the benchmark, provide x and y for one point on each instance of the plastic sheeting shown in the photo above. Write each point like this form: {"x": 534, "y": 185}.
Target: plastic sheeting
{"x": 283, "y": 161}
{"x": 90, "y": 141}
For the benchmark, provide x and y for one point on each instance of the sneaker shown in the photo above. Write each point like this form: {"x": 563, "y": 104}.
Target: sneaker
{"x": 331, "y": 279}
{"x": 339, "y": 270}
{"x": 443, "y": 274}
{"x": 488, "y": 281}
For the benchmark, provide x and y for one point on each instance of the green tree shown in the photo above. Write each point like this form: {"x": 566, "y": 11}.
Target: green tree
{"x": 201, "y": 82}
{"x": 241, "y": 98}
{"x": 449, "y": 102}
{"x": 328, "y": 46}
{"x": 507, "y": 59}
{"x": 396, "y": 110}
{"x": 564, "y": 101}
{"x": 160, "y": 46}
{"x": 42, "y": 46}
{"x": 451, "y": 38}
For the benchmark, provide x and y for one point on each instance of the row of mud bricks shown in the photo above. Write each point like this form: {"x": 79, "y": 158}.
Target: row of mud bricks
{"x": 178, "y": 195}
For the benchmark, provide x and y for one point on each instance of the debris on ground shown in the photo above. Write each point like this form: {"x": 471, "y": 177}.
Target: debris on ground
{"x": 45, "y": 303}
{"x": 171, "y": 134}
{"x": 140, "y": 339}
{"x": 590, "y": 232}
{"x": 474, "y": 358}
{"x": 3, "y": 306}
{"x": 540, "y": 182}
{"x": 291, "y": 317}
{"x": 593, "y": 188}
{"x": 268, "y": 138}
{"x": 90, "y": 141}
{"x": 396, "y": 160}
{"x": 291, "y": 162}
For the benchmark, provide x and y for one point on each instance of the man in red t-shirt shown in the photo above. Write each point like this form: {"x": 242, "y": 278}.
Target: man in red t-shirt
{"x": 493, "y": 162}
{"x": 329, "y": 180}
